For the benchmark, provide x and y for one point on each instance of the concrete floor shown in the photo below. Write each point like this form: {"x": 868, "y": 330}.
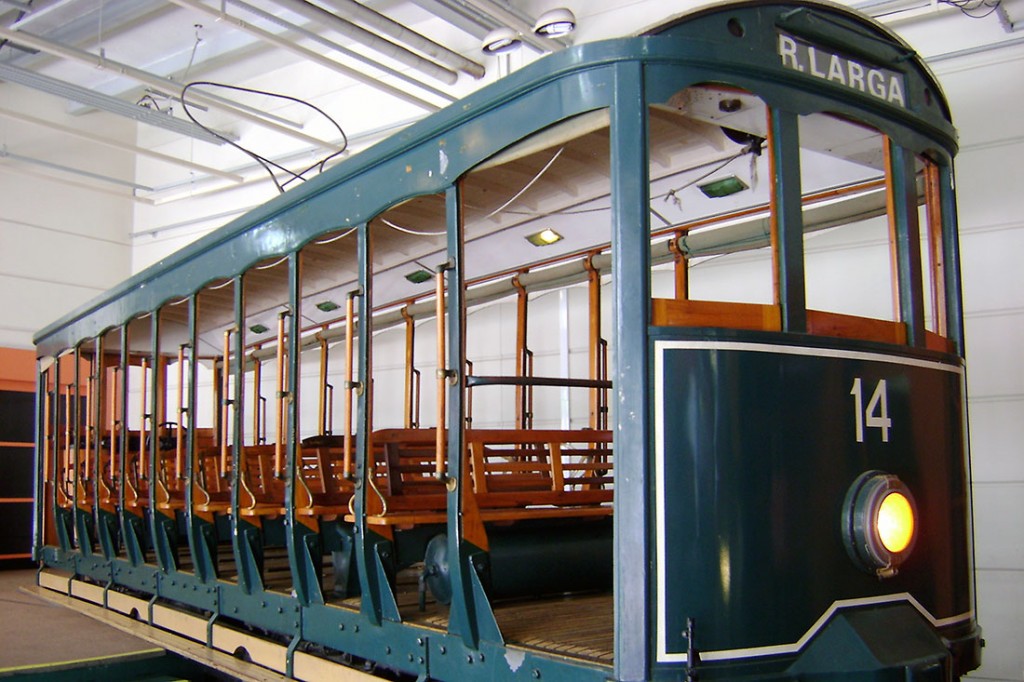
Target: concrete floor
{"x": 35, "y": 632}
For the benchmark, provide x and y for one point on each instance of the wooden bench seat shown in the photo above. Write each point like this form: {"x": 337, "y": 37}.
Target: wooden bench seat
{"x": 515, "y": 475}
{"x": 323, "y": 489}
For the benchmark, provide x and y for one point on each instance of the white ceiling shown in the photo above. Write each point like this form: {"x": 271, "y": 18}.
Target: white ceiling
{"x": 126, "y": 50}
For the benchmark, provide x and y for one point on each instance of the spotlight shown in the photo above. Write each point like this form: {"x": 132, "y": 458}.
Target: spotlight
{"x": 555, "y": 22}
{"x": 500, "y": 40}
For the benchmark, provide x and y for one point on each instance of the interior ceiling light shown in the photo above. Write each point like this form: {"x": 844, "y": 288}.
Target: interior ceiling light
{"x": 500, "y": 40}
{"x": 327, "y": 306}
{"x": 555, "y": 22}
{"x": 722, "y": 187}
{"x": 418, "y": 276}
{"x": 545, "y": 237}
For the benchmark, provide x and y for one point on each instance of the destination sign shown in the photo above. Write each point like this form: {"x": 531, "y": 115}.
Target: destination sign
{"x": 819, "y": 62}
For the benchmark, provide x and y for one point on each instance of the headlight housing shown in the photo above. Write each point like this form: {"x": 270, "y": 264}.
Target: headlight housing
{"x": 879, "y": 524}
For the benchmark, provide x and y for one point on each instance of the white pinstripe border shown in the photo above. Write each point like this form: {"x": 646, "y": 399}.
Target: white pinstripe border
{"x": 664, "y": 656}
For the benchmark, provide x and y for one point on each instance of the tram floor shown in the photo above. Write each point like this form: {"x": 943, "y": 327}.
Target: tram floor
{"x": 573, "y": 625}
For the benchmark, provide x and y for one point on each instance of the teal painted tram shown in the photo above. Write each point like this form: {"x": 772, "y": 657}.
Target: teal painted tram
{"x": 564, "y": 382}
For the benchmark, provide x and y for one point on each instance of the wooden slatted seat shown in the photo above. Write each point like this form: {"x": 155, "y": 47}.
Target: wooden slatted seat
{"x": 323, "y": 489}
{"x": 541, "y": 473}
{"x": 261, "y": 493}
{"x": 211, "y": 493}
{"x": 516, "y": 475}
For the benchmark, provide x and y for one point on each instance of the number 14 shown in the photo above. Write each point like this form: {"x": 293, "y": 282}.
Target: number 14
{"x": 876, "y": 415}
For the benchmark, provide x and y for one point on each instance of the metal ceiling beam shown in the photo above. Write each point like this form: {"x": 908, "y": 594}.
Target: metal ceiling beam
{"x": 76, "y": 93}
{"x": 117, "y": 144}
{"x": 465, "y": 20}
{"x": 306, "y": 33}
{"x": 25, "y": 172}
{"x": 369, "y": 39}
{"x": 307, "y": 54}
{"x": 151, "y": 79}
{"x": 4, "y": 154}
{"x": 387, "y": 26}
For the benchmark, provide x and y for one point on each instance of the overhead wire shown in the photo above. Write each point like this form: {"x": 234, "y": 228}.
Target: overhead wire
{"x": 260, "y": 159}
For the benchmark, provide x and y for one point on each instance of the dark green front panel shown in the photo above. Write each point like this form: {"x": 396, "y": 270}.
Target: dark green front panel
{"x": 757, "y": 445}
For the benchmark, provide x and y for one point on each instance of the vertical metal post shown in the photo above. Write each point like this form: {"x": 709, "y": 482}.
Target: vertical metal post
{"x": 247, "y": 538}
{"x": 163, "y": 525}
{"x": 903, "y": 190}
{"x": 304, "y": 548}
{"x": 787, "y": 219}
{"x": 373, "y": 544}
{"x": 470, "y": 617}
{"x": 201, "y": 533}
{"x": 631, "y": 284}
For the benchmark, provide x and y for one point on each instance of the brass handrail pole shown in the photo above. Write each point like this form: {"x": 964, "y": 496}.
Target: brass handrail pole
{"x": 442, "y": 376}
{"x": 346, "y": 465}
{"x": 225, "y": 405}
{"x": 281, "y": 394}
{"x": 179, "y": 439}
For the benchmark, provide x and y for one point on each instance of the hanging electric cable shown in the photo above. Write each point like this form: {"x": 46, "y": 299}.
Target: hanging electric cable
{"x": 260, "y": 159}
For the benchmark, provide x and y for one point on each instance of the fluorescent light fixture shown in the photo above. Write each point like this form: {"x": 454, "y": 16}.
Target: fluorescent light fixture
{"x": 418, "y": 276}
{"x": 500, "y": 40}
{"x": 327, "y": 306}
{"x": 722, "y": 187}
{"x": 555, "y": 22}
{"x": 545, "y": 237}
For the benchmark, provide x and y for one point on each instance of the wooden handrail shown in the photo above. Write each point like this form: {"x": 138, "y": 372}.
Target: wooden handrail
{"x": 410, "y": 368}
{"x": 114, "y": 421}
{"x": 279, "y": 445}
{"x": 179, "y": 436}
{"x": 323, "y": 407}
{"x": 88, "y": 421}
{"x": 225, "y": 411}
{"x": 346, "y": 462}
{"x": 143, "y": 365}
{"x": 442, "y": 376}
{"x": 67, "y": 430}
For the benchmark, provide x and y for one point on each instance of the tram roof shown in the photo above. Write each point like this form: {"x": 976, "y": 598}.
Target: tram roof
{"x": 836, "y": 29}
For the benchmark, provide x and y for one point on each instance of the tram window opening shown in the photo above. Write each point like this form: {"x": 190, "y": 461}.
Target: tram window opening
{"x": 710, "y": 189}
{"x": 408, "y": 238}
{"x": 848, "y": 241}
{"x": 933, "y": 267}
{"x": 539, "y": 322}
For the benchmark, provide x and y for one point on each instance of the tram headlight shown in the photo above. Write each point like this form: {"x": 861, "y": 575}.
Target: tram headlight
{"x": 879, "y": 523}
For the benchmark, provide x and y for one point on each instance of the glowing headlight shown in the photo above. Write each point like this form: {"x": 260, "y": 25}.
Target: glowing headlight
{"x": 879, "y": 523}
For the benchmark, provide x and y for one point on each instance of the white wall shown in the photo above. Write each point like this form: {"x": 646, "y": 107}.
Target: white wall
{"x": 63, "y": 238}
{"x": 990, "y": 175}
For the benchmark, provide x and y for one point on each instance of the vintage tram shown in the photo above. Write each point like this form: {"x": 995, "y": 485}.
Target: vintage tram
{"x": 665, "y": 433}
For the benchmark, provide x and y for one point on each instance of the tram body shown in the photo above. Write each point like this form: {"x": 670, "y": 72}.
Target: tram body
{"x": 720, "y": 480}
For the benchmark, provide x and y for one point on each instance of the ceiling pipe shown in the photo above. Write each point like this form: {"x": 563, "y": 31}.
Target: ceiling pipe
{"x": 386, "y": 26}
{"x": 97, "y": 100}
{"x": 369, "y": 39}
{"x": 306, "y": 53}
{"x": 525, "y": 28}
{"x": 463, "y": 18}
{"x": 306, "y": 33}
{"x": 4, "y": 154}
{"x": 23, "y": 173}
{"x": 116, "y": 144}
{"x": 151, "y": 79}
